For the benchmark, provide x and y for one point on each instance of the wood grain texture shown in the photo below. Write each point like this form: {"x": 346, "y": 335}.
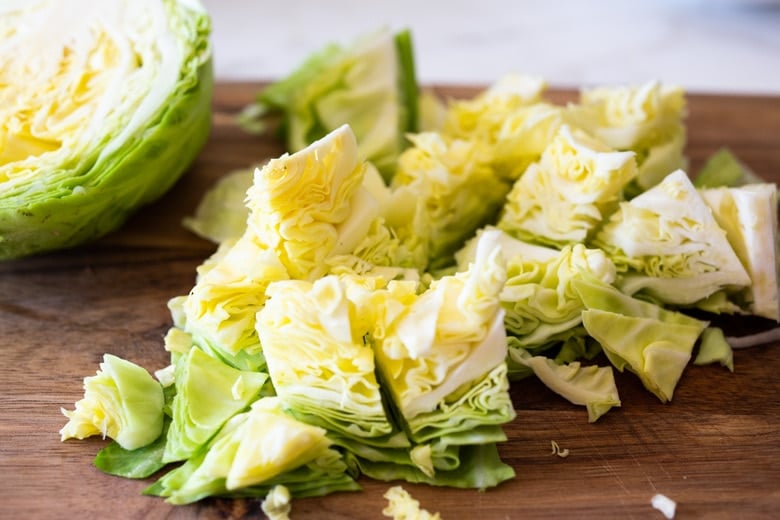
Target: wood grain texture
{"x": 715, "y": 449}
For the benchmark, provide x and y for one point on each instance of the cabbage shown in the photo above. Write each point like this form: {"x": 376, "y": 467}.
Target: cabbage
{"x": 221, "y": 214}
{"x": 442, "y": 192}
{"x": 102, "y": 107}
{"x": 121, "y": 401}
{"x": 590, "y": 386}
{"x": 303, "y": 208}
{"x": 646, "y": 119}
{"x": 669, "y": 246}
{"x": 648, "y": 340}
{"x": 208, "y": 393}
{"x": 724, "y": 169}
{"x": 319, "y": 359}
{"x": 561, "y": 198}
{"x": 441, "y": 354}
{"x": 714, "y": 347}
{"x": 748, "y": 213}
{"x": 252, "y": 453}
{"x": 509, "y": 121}
{"x": 541, "y": 307}
{"x": 369, "y": 84}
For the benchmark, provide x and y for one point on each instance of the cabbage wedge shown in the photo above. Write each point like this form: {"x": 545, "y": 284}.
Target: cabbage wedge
{"x": 303, "y": 208}
{"x": 443, "y": 191}
{"x": 369, "y": 84}
{"x": 509, "y": 121}
{"x": 647, "y": 119}
{"x": 748, "y": 214}
{"x": 315, "y": 340}
{"x": 667, "y": 244}
{"x": 564, "y": 196}
{"x": 255, "y": 451}
{"x": 541, "y": 307}
{"x": 441, "y": 355}
{"x": 103, "y": 106}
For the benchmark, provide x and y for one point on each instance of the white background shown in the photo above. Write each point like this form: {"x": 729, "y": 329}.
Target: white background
{"x": 728, "y": 46}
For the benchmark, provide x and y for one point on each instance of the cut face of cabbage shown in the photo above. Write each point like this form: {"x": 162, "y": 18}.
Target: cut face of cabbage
{"x": 102, "y": 107}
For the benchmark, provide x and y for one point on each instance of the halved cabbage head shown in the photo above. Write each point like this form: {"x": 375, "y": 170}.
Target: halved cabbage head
{"x": 103, "y": 105}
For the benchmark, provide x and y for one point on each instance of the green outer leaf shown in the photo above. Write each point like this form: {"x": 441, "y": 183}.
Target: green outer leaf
{"x": 137, "y": 173}
{"x": 480, "y": 468}
{"x": 410, "y": 92}
{"x": 723, "y": 168}
{"x": 138, "y": 463}
{"x": 715, "y": 349}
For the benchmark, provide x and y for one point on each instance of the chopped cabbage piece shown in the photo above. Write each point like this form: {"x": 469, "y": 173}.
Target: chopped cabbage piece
{"x": 646, "y": 119}
{"x": 436, "y": 348}
{"x": 276, "y": 505}
{"x": 591, "y": 386}
{"x": 222, "y": 212}
{"x": 668, "y": 245}
{"x": 714, "y": 347}
{"x": 401, "y": 506}
{"x": 442, "y": 192}
{"x": 565, "y": 195}
{"x": 368, "y": 84}
{"x": 121, "y": 401}
{"x": 509, "y": 121}
{"x": 319, "y": 358}
{"x": 748, "y": 214}
{"x": 304, "y": 208}
{"x": 652, "y": 342}
{"x": 208, "y": 393}
{"x": 259, "y": 447}
{"x": 724, "y": 169}
{"x": 541, "y": 306}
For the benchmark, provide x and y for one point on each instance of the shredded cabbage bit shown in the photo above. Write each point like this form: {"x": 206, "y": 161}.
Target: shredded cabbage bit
{"x": 401, "y": 506}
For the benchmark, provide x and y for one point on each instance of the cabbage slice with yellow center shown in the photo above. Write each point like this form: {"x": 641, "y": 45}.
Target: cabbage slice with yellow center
{"x": 102, "y": 107}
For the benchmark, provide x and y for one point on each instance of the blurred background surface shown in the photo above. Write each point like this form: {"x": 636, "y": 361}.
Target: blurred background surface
{"x": 727, "y": 46}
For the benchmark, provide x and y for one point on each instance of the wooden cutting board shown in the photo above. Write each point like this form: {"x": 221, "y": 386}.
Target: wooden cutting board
{"x": 715, "y": 449}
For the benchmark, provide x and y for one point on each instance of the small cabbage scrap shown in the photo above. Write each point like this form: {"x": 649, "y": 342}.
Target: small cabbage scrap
{"x": 276, "y": 505}
{"x": 652, "y": 342}
{"x": 122, "y": 401}
{"x": 591, "y": 386}
{"x": 715, "y": 348}
{"x": 257, "y": 447}
{"x": 103, "y": 107}
{"x": 748, "y": 214}
{"x": 565, "y": 195}
{"x": 320, "y": 362}
{"x": 724, "y": 169}
{"x": 401, "y": 506}
{"x": 221, "y": 214}
{"x": 208, "y": 393}
{"x": 646, "y": 119}
{"x": 368, "y": 84}
{"x": 669, "y": 245}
